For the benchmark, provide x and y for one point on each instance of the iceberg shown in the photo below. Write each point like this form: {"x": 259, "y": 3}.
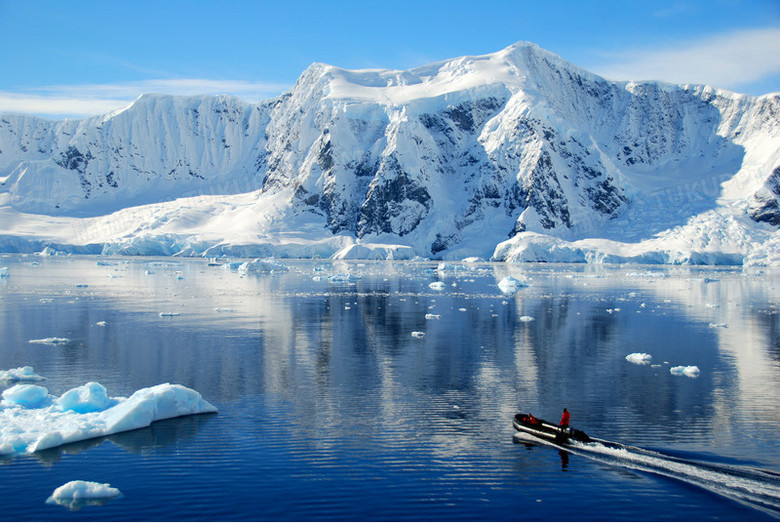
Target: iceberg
{"x": 265, "y": 266}
{"x": 51, "y": 341}
{"x": 639, "y": 358}
{"x": 510, "y": 285}
{"x": 3, "y": 272}
{"x": 437, "y": 285}
{"x": 32, "y": 420}
{"x": 692, "y": 371}
{"x": 20, "y": 374}
{"x": 76, "y": 493}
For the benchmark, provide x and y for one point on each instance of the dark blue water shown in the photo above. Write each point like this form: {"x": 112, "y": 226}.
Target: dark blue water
{"x": 331, "y": 410}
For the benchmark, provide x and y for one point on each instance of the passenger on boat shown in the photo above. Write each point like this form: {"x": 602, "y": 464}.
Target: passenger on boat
{"x": 530, "y": 419}
{"x": 564, "y": 424}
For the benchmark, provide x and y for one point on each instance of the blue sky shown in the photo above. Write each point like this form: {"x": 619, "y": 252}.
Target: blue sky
{"x": 75, "y": 58}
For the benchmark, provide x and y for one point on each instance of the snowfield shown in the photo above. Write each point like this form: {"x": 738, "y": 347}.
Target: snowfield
{"x": 512, "y": 156}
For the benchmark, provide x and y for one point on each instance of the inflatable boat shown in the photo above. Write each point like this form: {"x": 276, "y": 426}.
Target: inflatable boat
{"x": 546, "y": 430}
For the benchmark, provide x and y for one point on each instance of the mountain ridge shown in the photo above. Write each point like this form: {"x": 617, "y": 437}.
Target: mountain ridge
{"x": 515, "y": 155}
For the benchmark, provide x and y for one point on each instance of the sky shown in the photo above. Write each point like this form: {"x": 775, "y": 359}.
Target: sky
{"x": 77, "y": 58}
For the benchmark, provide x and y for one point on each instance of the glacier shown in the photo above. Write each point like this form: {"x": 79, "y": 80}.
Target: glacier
{"x": 512, "y": 156}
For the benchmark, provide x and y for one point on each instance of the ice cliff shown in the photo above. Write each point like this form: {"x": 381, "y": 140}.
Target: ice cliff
{"x": 517, "y": 155}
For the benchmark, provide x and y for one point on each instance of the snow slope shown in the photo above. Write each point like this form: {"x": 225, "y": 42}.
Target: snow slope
{"x": 517, "y": 155}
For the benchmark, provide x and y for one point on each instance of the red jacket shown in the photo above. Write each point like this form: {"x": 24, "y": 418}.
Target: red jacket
{"x": 564, "y": 419}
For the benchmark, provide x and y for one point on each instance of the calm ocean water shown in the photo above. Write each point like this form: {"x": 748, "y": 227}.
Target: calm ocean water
{"x": 330, "y": 409}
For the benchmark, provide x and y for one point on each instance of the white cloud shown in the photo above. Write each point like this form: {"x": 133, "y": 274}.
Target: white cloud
{"x": 728, "y": 60}
{"x": 94, "y": 99}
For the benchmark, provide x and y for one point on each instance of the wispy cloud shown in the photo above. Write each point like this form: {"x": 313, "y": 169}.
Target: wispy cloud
{"x": 728, "y": 60}
{"x": 94, "y": 99}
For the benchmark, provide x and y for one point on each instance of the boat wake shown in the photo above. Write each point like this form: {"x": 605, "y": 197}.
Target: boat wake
{"x": 757, "y": 488}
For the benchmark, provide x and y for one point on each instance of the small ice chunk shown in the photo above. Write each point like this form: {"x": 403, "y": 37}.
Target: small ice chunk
{"x": 20, "y": 374}
{"x": 91, "y": 397}
{"x": 510, "y": 285}
{"x": 437, "y": 285}
{"x": 433, "y": 316}
{"x": 51, "y": 341}
{"x": 526, "y": 319}
{"x": 692, "y": 371}
{"x": 3, "y": 272}
{"x": 223, "y": 309}
{"x": 639, "y": 358}
{"x": 26, "y": 396}
{"x": 719, "y": 326}
{"x": 418, "y": 334}
{"x": 104, "y": 263}
{"x": 101, "y": 324}
{"x": 169, "y": 314}
{"x": 75, "y": 493}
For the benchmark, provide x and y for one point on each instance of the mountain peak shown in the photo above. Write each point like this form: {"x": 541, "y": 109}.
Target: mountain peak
{"x": 514, "y": 67}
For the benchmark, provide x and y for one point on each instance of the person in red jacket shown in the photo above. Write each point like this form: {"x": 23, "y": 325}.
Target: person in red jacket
{"x": 564, "y": 424}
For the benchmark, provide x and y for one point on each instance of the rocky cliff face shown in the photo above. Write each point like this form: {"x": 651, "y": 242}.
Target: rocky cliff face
{"x": 451, "y": 158}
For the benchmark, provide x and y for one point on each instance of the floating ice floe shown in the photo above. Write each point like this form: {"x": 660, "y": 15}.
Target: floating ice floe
{"x": 51, "y": 341}
{"x": 433, "y": 316}
{"x": 31, "y": 419}
{"x": 719, "y": 326}
{"x": 101, "y": 324}
{"x": 526, "y": 319}
{"x": 343, "y": 277}
{"x": 169, "y": 314}
{"x": 262, "y": 266}
{"x": 639, "y": 358}
{"x": 20, "y": 374}
{"x": 692, "y": 371}
{"x": 437, "y": 285}
{"x": 418, "y": 334}
{"x": 75, "y": 494}
{"x": 510, "y": 285}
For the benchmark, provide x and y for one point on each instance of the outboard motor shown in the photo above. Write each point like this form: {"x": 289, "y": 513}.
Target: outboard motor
{"x": 578, "y": 435}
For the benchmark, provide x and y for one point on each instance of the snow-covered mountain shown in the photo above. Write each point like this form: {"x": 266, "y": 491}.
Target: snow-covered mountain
{"x": 516, "y": 155}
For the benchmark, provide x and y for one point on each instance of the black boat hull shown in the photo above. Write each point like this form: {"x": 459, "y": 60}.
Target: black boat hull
{"x": 548, "y": 431}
